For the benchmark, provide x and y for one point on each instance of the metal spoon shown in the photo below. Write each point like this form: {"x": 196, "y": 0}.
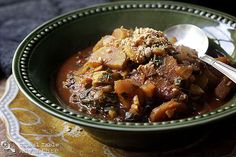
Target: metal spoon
{"x": 193, "y": 37}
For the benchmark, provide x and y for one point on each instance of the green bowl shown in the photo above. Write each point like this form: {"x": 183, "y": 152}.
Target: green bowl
{"x": 41, "y": 53}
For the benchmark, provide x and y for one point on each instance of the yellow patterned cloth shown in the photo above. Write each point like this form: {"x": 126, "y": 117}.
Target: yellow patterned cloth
{"x": 53, "y": 135}
{"x": 56, "y": 136}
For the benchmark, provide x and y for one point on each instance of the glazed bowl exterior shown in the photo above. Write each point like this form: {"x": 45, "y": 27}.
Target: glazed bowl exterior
{"x": 43, "y": 51}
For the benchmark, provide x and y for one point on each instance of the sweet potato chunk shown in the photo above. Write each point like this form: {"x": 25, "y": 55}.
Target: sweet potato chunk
{"x": 186, "y": 54}
{"x": 149, "y": 90}
{"x": 107, "y": 40}
{"x": 121, "y": 33}
{"x": 223, "y": 88}
{"x": 126, "y": 90}
{"x": 98, "y": 45}
{"x": 134, "y": 55}
{"x": 184, "y": 71}
{"x": 166, "y": 111}
{"x": 112, "y": 57}
{"x": 135, "y": 107}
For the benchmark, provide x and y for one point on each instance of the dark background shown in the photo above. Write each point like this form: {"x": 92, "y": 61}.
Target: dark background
{"x": 227, "y": 6}
{"x": 20, "y": 17}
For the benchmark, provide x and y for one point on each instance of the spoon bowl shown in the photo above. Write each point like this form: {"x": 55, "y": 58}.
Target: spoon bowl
{"x": 195, "y": 38}
{"x": 190, "y": 36}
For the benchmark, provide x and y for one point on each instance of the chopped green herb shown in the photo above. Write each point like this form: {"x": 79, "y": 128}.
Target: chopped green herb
{"x": 158, "y": 60}
{"x": 107, "y": 76}
{"x": 177, "y": 81}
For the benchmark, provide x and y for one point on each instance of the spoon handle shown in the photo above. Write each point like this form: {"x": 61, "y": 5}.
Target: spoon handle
{"x": 225, "y": 69}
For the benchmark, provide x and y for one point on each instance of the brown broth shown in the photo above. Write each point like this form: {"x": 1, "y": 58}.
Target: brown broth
{"x": 70, "y": 65}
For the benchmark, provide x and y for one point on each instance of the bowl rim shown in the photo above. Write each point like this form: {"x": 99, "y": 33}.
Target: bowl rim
{"x": 22, "y": 53}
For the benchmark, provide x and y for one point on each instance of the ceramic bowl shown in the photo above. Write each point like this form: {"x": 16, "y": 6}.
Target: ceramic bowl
{"x": 41, "y": 53}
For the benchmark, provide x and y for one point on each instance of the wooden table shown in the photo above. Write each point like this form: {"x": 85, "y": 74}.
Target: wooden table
{"x": 3, "y": 137}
